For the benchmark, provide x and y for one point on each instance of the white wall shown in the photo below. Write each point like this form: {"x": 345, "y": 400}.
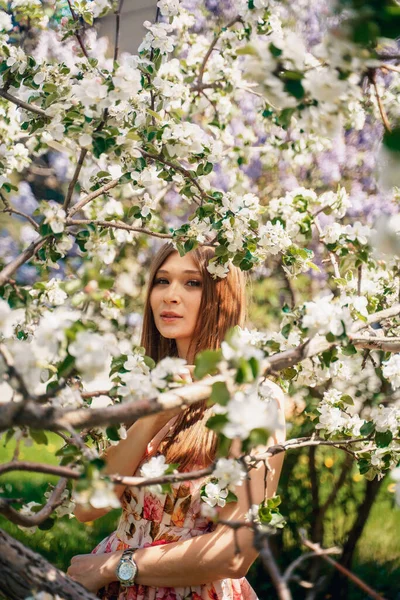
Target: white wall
{"x": 134, "y": 13}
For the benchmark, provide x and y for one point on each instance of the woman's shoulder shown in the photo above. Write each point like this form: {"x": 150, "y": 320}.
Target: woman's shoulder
{"x": 275, "y": 391}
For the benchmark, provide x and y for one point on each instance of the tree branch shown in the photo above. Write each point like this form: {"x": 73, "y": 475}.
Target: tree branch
{"x": 25, "y": 105}
{"x": 237, "y": 19}
{"x": 32, "y": 520}
{"x": 27, "y": 254}
{"x": 23, "y": 570}
{"x": 119, "y": 225}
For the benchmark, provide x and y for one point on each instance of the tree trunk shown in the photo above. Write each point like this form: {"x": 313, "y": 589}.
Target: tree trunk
{"x": 24, "y": 572}
{"x": 340, "y": 588}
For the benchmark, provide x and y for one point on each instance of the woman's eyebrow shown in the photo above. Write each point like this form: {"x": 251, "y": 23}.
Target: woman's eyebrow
{"x": 186, "y": 271}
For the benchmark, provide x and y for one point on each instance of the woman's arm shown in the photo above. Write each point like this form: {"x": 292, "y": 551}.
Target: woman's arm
{"x": 124, "y": 457}
{"x": 208, "y": 557}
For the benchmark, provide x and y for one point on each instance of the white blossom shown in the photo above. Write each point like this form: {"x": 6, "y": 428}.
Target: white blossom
{"x": 155, "y": 467}
{"x": 54, "y": 216}
{"x": 247, "y": 411}
{"x": 5, "y": 21}
{"x": 326, "y": 316}
{"x": 216, "y": 495}
{"x": 273, "y": 238}
{"x": 391, "y": 370}
{"x": 158, "y": 37}
{"x": 100, "y": 494}
{"x": 90, "y": 351}
{"x": 168, "y": 8}
{"x": 229, "y": 472}
{"x": 386, "y": 418}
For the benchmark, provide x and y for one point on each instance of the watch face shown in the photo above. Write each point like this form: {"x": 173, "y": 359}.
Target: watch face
{"x": 126, "y": 571}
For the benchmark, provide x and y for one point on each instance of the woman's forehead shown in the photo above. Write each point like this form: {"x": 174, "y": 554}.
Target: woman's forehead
{"x": 175, "y": 262}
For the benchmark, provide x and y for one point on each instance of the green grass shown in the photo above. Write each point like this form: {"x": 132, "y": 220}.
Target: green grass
{"x": 68, "y": 536}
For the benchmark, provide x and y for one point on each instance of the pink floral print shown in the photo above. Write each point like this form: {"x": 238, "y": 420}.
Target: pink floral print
{"x": 150, "y": 519}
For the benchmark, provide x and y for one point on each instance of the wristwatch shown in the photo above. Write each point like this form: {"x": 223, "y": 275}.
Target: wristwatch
{"x": 127, "y": 568}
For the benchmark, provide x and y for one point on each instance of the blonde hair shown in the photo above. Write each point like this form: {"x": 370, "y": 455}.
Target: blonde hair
{"x": 222, "y": 306}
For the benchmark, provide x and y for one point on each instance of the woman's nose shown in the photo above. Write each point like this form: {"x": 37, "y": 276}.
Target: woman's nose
{"x": 171, "y": 294}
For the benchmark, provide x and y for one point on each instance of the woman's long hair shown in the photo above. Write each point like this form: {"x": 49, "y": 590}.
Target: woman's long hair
{"x": 222, "y": 306}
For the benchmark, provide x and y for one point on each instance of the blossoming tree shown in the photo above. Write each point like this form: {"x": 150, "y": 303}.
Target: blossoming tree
{"x": 217, "y": 132}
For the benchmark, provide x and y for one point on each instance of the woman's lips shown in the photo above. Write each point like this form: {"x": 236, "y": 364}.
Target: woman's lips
{"x": 170, "y": 319}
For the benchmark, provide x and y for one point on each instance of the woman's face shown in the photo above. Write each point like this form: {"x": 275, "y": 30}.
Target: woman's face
{"x": 175, "y": 300}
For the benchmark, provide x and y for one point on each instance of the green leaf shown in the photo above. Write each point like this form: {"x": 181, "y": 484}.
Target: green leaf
{"x": 67, "y": 365}
{"x": 98, "y": 463}
{"x": 206, "y": 363}
{"x": 367, "y": 428}
{"x": 391, "y": 139}
{"x": 294, "y": 88}
{"x": 259, "y": 436}
{"x": 9, "y": 435}
{"x": 274, "y": 502}
{"x": 349, "y": 350}
{"x": 219, "y": 393}
{"x": 217, "y": 422}
{"x": 244, "y": 373}
{"x": 231, "y": 497}
{"x": 383, "y": 438}
{"x": 39, "y": 436}
{"x": 154, "y": 114}
{"x": 363, "y": 465}
{"x": 112, "y": 433}
{"x": 46, "y": 525}
{"x": 171, "y": 468}
{"x": 274, "y": 50}
{"x": 347, "y": 399}
{"x": 286, "y": 330}
{"x": 289, "y": 373}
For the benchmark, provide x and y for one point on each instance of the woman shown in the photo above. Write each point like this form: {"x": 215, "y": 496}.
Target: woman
{"x": 181, "y": 554}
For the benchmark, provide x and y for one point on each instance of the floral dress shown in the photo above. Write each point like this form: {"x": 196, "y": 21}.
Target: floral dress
{"x": 153, "y": 519}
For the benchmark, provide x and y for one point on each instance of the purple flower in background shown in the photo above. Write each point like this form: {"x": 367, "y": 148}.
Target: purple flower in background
{"x": 26, "y": 275}
{"x": 25, "y": 200}
{"x": 59, "y": 162}
{"x": 221, "y": 179}
{"x": 8, "y": 247}
{"x": 254, "y": 169}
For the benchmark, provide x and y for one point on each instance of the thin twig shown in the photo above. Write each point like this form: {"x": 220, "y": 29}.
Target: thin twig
{"x": 185, "y": 172}
{"x": 74, "y": 179}
{"x": 8, "y": 208}
{"x": 320, "y": 552}
{"x": 385, "y": 120}
{"x": 390, "y": 68}
{"x": 102, "y": 190}
{"x": 332, "y": 256}
{"x": 117, "y": 26}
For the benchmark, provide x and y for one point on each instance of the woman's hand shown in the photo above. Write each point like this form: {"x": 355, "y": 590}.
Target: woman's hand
{"x": 94, "y": 571}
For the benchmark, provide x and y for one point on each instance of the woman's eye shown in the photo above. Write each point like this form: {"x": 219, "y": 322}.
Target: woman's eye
{"x": 194, "y": 283}
{"x": 191, "y": 283}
